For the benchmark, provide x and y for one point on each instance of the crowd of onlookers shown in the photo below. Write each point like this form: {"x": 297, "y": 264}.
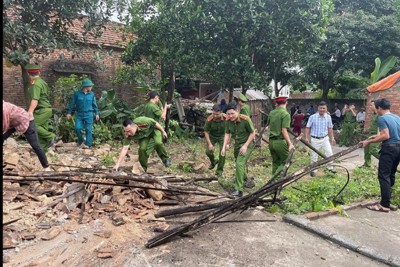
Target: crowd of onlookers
{"x": 299, "y": 118}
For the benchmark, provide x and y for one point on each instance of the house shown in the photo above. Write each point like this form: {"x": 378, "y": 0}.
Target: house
{"x": 99, "y": 59}
{"x": 388, "y": 88}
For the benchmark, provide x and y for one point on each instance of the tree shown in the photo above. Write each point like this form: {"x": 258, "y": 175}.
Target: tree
{"x": 38, "y": 27}
{"x": 288, "y": 29}
{"x": 359, "y": 31}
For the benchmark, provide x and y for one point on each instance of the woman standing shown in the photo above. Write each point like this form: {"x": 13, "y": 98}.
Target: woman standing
{"x": 297, "y": 122}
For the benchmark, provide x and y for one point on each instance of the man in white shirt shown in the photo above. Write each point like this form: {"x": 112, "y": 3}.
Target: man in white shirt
{"x": 321, "y": 128}
{"x": 361, "y": 115}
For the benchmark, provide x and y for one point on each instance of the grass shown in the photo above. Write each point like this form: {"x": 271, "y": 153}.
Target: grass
{"x": 307, "y": 194}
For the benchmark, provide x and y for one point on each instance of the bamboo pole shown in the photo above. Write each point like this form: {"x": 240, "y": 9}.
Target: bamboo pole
{"x": 243, "y": 202}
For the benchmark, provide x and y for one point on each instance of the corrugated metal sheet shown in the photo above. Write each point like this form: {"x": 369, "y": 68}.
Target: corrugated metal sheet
{"x": 255, "y": 95}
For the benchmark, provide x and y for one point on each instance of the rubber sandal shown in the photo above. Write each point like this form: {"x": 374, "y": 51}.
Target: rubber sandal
{"x": 378, "y": 207}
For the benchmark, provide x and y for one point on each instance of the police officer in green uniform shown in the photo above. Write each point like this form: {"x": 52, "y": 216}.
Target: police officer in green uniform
{"x": 141, "y": 129}
{"x": 214, "y": 132}
{"x": 39, "y": 106}
{"x": 241, "y": 128}
{"x": 372, "y": 149}
{"x": 279, "y": 140}
{"x": 347, "y": 131}
{"x": 243, "y": 107}
{"x": 152, "y": 110}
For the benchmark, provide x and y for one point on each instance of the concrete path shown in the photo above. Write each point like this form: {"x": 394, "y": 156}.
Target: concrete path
{"x": 263, "y": 242}
{"x": 370, "y": 233}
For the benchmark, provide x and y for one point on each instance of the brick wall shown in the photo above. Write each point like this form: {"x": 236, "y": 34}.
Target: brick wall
{"x": 12, "y": 77}
{"x": 392, "y": 94}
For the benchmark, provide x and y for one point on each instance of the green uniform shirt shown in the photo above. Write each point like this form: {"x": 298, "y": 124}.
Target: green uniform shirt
{"x": 39, "y": 91}
{"x": 245, "y": 110}
{"x": 240, "y": 129}
{"x": 349, "y": 118}
{"x": 152, "y": 110}
{"x": 145, "y": 126}
{"x": 215, "y": 127}
{"x": 278, "y": 118}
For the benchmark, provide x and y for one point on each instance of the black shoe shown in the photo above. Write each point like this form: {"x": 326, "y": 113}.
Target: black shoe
{"x": 167, "y": 163}
{"x": 237, "y": 193}
{"x": 212, "y": 166}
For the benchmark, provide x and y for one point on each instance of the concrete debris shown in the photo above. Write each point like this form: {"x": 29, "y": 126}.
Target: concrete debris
{"x": 42, "y": 209}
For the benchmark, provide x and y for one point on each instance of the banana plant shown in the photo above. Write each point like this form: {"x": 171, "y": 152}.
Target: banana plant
{"x": 382, "y": 69}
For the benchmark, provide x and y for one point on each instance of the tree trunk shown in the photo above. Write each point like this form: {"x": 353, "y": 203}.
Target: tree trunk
{"x": 25, "y": 84}
{"x": 230, "y": 93}
{"x": 325, "y": 86}
{"x": 276, "y": 88}
{"x": 171, "y": 88}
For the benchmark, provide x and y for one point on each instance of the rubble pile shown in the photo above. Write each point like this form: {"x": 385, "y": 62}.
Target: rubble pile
{"x": 39, "y": 205}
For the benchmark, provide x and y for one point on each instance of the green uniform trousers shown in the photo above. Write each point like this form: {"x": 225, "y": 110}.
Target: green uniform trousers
{"x": 347, "y": 133}
{"x": 241, "y": 161}
{"x": 41, "y": 117}
{"x": 371, "y": 150}
{"x": 279, "y": 153}
{"x": 148, "y": 144}
{"x": 211, "y": 156}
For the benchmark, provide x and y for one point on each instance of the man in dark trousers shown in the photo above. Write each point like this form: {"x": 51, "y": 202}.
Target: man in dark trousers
{"x": 389, "y": 135}
{"x": 17, "y": 119}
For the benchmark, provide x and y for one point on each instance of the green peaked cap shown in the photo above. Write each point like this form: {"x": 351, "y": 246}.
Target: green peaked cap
{"x": 32, "y": 67}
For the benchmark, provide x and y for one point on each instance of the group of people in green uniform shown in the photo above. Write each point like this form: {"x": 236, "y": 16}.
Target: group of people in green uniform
{"x": 148, "y": 130}
{"x": 83, "y": 102}
{"x": 221, "y": 128}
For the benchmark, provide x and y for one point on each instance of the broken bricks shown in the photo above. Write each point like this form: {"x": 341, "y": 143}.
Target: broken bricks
{"x": 50, "y": 234}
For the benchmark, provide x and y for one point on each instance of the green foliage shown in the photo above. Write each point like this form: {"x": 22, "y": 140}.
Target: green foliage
{"x": 61, "y": 92}
{"x": 38, "y": 31}
{"x": 113, "y": 110}
{"x": 229, "y": 42}
{"x": 318, "y": 194}
{"x": 354, "y": 38}
{"x": 101, "y": 133}
{"x": 186, "y": 167}
{"x": 177, "y": 133}
{"x": 108, "y": 160}
{"x": 64, "y": 129}
{"x": 381, "y": 70}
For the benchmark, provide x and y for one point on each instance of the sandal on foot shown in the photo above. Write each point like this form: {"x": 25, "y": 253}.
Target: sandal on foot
{"x": 378, "y": 207}
{"x": 393, "y": 207}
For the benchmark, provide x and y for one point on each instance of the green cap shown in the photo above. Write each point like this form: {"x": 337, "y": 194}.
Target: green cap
{"x": 240, "y": 96}
{"x": 87, "y": 83}
{"x": 32, "y": 67}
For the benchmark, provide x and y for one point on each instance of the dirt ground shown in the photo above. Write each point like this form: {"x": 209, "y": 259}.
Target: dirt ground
{"x": 252, "y": 238}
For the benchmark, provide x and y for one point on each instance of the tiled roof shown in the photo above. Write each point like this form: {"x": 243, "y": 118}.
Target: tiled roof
{"x": 111, "y": 37}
